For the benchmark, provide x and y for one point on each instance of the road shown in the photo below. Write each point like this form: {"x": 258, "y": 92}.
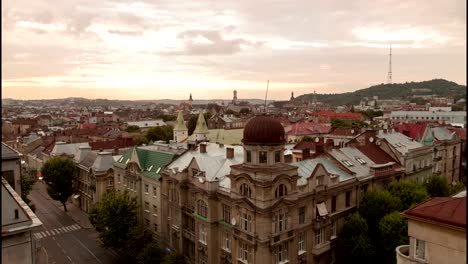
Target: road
{"x": 64, "y": 240}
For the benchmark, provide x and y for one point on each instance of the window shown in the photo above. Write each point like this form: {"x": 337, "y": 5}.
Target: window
{"x": 277, "y": 156}
{"x": 319, "y": 236}
{"x": 147, "y": 222}
{"x": 348, "y": 198}
{"x": 110, "y": 182}
{"x": 245, "y": 190}
{"x": 280, "y": 220}
{"x": 202, "y": 209}
{"x": 333, "y": 209}
{"x": 249, "y": 156}
{"x": 147, "y": 207}
{"x": 333, "y": 229}
{"x": 420, "y": 249}
{"x": 226, "y": 213}
{"x": 301, "y": 242}
{"x": 281, "y": 253}
{"x": 146, "y": 188}
{"x": 155, "y": 227}
{"x": 155, "y": 192}
{"x": 262, "y": 157}
{"x": 319, "y": 180}
{"x": 202, "y": 233}
{"x": 281, "y": 191}
{"x": 244, "y": 252}
{"x": 226, "y": 241}
{"x": 302, "y": 215}
{"x": 119, "y": 177}
{"x": 246, "y": 222}
{"x": 155, "y": 209}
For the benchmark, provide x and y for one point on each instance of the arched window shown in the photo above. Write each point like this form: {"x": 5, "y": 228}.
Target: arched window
{"x": 245, "y": 190}
{"x": 202, "y": 209}
{"x": 281, "y": 191}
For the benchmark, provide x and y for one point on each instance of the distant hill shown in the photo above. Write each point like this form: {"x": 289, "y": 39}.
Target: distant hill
{"x": 405, "y": 90}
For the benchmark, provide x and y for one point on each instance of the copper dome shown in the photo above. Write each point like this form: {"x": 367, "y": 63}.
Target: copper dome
{"x": 263, "y": 130}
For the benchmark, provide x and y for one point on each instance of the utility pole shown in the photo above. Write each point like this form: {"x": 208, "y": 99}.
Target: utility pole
{"x": 389, "y": 77}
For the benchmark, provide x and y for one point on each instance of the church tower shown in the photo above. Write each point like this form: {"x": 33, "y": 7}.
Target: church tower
{"x": 190, "y": 100}
{"x": 292, "y": 96}
{"x": 180, "y": 129}
{"x": 234, "y": 98}
{"x": 201, "y": 130}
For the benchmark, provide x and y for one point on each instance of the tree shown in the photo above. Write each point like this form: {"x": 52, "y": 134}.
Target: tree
{"x": 151, "y": 253}
{"x": 307, "y": 138}
{"x": 244, "y": 110}
{"x": 408, "y": 192}
{"x": 436, "y": 186}
{"x": 140, "y": 141}
{"x": 131, "y": 129}
{"x": 355, "y": 245}
{"x": 375, "y": 205}
{"x": 27, "y": 182}
{"x": 114, "y": 217}
{"x": 138, "y": 238}
{"x": 192, "y": 123}
{"x": 174, "y": 258}
{"x": 60, "y": 176}
{"x": 458, "y": 187}
{"x": 229, "y": 112}
{"x": 165, "y": 133}
{"x": 393, "y": 232}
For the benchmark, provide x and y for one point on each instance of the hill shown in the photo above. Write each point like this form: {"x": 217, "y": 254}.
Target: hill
{"x": 439, "y": 87}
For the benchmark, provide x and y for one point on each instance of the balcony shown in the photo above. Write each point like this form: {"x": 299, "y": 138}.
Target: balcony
{"x": 189, "y": 234}
{"x": 435, "y": 159}
{"x": 320, "y": 249}
{"x": 403, "y": 255}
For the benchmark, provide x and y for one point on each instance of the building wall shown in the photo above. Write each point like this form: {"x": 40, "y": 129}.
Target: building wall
{"x": 151, "y": 206}
{"x": 447, "y": 160}
{"x": 443, "y": 245}
{"x": 12, "y": 167}
{"x": 18, "y": 248}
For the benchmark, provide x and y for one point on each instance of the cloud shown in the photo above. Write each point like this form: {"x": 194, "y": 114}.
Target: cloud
{"x": 126, "y": 32}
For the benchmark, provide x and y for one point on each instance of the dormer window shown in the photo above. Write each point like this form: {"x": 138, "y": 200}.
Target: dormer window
{"x": 245, "y": 190}
{"x": 281, "y": 191}
{"x": 262, "y": 157}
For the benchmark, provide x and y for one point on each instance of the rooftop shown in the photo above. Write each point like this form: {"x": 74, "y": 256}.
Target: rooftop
{"x": 9, "y": 153}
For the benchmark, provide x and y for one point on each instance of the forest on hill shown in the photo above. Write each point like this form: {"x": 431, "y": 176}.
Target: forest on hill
{"x": 439, "y": 87}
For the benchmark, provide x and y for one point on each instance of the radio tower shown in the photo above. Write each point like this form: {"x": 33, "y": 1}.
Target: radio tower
{"x": 389, "y": 77}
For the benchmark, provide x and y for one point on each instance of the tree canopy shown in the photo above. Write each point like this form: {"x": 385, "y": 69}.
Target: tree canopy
{"x": 408, "y": 192}
{"x": 131, "y": 129}
{"x": 437, "y": 186}
{"x": 60, "y": 176}
{"x": 165, "y": 133}
{"x": 393, "y": 230}
{"x": 376, "y": 204}
{"x": 355, "y": 245}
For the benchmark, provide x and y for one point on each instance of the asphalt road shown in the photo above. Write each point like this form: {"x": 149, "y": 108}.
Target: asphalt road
{"x": 63, "y": 240}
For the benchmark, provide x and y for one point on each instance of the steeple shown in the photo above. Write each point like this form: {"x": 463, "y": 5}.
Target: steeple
{"x": 201, "y": 130}
{"x": 180, "y": 129}
{"x": 234, "y": 98}
{"x": 292, "y": 96}
{"x": 190, "y": 98}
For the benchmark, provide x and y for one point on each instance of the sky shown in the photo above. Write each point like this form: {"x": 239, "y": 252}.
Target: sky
{"x": 167, "y": 49}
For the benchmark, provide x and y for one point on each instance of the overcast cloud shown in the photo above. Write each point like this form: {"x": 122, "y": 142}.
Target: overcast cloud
{"x": 167, "y": 48}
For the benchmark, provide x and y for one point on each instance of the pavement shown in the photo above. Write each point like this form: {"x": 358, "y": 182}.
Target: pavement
{"x": 65, "y": 237}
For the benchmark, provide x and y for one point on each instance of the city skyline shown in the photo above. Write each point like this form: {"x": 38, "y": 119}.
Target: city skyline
{"x": 145, "y": 50}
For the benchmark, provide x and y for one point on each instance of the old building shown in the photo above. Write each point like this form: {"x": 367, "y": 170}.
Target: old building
{"x": 11, "y": 167}
{"x": 244, "y": 204}
{"x": 437, "y": 232}
{"x": 180, "y": 129}
{"x": 18, "y": 224}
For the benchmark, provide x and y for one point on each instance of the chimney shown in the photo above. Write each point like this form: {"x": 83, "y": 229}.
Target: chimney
{"x": 329, "y": 144}
{"x": 305, "y": 154}
{"x": 229, "y": 153}
{"x": 83, "y": 152}
{"x": 319, "y": 149}
{"x": 202, "y": 148}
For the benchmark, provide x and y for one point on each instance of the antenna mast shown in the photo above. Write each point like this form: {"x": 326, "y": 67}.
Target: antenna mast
{"x": 266, "y": 94}
{"x": 389, "y": 77}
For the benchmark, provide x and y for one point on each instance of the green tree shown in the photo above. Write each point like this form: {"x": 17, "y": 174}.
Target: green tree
{"x": 151, "y": 253}
{"x": 355, "y": 245}
{"x": 375, "y": 205}
{"x": 140, "y": 141}
{"x": 174, "y": 258}
{"x": 458, "y": 187}
{"x": 114, "y": 218}
{"x": 138, "y": 238}
{"x": 191, "y": 124}
{"x": 436, "y": 186}
{"x": 307, "y": 139}
{"x": 131, "y": 129}
{"x": 408, "y": 192}
{"x": 165, "y": 133}
{"x": 27, "y": 182}
{"x": 244, "y": 110}
{"x": 229, "y": 112}
{"x": 60, "y": 176}
{"x": 393, "y": 232}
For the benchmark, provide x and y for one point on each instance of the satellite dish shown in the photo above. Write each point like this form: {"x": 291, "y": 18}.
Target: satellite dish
{"x": 317, "y": 139}
{"x": 233, "y": 221}
{"x": 371, "y": 139}
{"x": 201, "y": 180}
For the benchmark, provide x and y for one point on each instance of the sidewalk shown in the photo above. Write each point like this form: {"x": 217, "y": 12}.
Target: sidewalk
{"x": 74, "y": 212}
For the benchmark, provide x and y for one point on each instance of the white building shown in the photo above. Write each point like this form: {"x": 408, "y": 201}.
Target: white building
{"x": 441, "y": 116}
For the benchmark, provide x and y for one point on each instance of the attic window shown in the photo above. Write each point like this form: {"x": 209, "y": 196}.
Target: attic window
{"x": 150, "y": 167}
{"x": 361, "y": 160}
{"x": 157, "y": 171}
{"x": 127, "y": 162}
{"x": 121, "y": 158}
{"x": 348, "y": 163}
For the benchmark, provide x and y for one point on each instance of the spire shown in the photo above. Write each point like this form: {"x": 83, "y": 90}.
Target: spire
{"x": 292, "y": 96}
{"x": 190, "y": 98}
{"x": 201, "y": 127}
{"x": 234, "y": 98}
{"x": 180, "y": 126}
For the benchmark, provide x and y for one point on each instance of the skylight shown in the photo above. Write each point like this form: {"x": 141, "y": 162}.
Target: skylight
{"x": 360, "y": 160}
{"x": 348, "y": 163}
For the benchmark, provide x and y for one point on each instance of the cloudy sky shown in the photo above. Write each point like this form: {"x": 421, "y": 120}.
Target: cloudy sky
{"x": 157, "y": 49}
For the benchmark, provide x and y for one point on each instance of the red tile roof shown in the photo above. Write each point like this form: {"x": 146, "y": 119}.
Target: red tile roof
{"x": 414, "y": 131}
{"x": 461, "y": 132}
{"x": 441, "y": 210}
{"x": 112, "y": 144}
{"x": 306, "y": 128}
{"x": 376, "y": 154}
{"x": 331, "y": 114}
{"x": 344, "y": 131}
{"x": 305, "y": 145}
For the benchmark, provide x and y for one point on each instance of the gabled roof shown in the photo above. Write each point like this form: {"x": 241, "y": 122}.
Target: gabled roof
{"x": 304, "y": 145}
{"x": 461, "y": 132}
{"x": 376, "y": 154}
{"x": 446, "y": 211}
{"x": 306, "y": 167}
{"x": 150, "y": 161}
{"x": 307, "y": 128}
{"x": 414, "y": 131}
{"x": 345, "y": 131}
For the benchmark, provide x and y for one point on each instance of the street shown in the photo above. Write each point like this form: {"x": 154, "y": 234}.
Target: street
{"x": 64, "y": 240}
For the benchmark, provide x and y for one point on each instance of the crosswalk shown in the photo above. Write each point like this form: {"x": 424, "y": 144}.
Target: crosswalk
{"x": 57, "y": 231}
